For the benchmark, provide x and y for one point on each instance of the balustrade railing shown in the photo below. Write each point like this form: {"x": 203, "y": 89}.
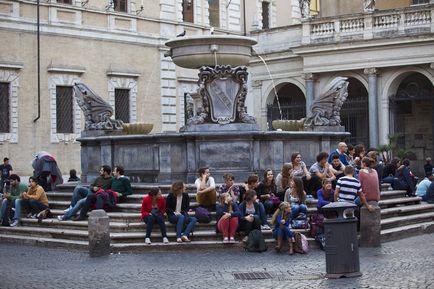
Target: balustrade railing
{"x": 370, "y": 25}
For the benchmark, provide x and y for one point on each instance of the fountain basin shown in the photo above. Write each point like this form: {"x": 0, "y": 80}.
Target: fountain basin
{"x": 197, "y": 51}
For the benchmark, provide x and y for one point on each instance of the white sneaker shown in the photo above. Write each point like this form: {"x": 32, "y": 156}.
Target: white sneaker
{"x": 15, "y": 223}
{"x": 225, "y": 240}
{"x": 60, "y": 218}
{"x": 231, "y": 240}
{"x": 147, "y": 241}
{"x": 165, "y": 240}
{"x": 67, "y": 209}
{"x": 265, "y": 227}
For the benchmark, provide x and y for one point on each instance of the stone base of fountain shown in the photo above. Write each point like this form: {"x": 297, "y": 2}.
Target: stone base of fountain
{"x": 207, "y": 127}
{"x": 335, "y": 128}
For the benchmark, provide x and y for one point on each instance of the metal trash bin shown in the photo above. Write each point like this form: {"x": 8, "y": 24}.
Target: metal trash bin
{"x": 341, "y": 243}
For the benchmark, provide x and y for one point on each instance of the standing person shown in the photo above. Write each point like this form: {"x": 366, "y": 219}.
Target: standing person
{"x": 206, "y": 192}
{"x": 227, "y": 215}
{"x": 283, "y": 179}
{"x": 251, "y": 184}
{"x": 281, "y": 220}
{"x": 321, "y": 170}
{"x": 368, "y": 179}
{"x": 267, "y": 190}
{"x": 10, "y": 197}
{"x": 80, "y": 194}
{"x": 341, "y": 152}
{"x": 6, "y": 170}
{"x": 325, "y": 194}
{"x": 230, "y": 188}
{"x": 153, "y": 210}
{"x": 250, "y": 214}
{"x": 35, "y": 201}
{"x": 376, "y": 165}
{"x": 296, "y": 196}
{"x": 299, "y": 169}
{"x": 359, "y": 153}
{"x": 178, "y": 205}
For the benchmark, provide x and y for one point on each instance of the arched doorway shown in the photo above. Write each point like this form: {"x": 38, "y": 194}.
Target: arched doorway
{"x": 292, "y": 104}
{"x": 412, "y": 117}
{"x": 354, "y": 113}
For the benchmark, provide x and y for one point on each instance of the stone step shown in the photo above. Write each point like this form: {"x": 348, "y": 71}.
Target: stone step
{"x": 386, "y": 195}
{"x": 44, "y": 232}
{"x": 399, "y": 201}
{"x": 406, "y": 220}
{"x": 44, "y": 241}
{"x": 407, "y": 231}
{"x": 406, "y": 210}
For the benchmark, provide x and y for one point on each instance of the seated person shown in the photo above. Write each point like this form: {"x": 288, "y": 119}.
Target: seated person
{"x": 282, "y": 230}
{"x": 153, "y": 210}
{"x": 206, "y": 189}
{"x": 250, "y": 214}
{"x": 177, "y": 207}
{"x": 321, "y": 170}
{"x": 389, "y": 171}
{"x": 423, "y": 186}
{"x": 337, "y": 167}
{"x": 325, "y": 194}
{"x": 230, "y": 187}
{"x": 267, "y": 190}
{"x": 228, "y": 215}
{"x": 404, "y": 179}
{"x": 73, "y": 176}
{"x": 296, "y": 196}
{"x": 121, "y": 184}
{"x": 251, "y": 184}
{"x": 10, "y": 197}
{"x": 35, "y": 201}
{"x": 283, "y": 179}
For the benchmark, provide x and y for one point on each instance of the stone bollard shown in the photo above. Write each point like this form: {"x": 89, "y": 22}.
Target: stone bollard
{"x": 99, "y": 233}
{"x": 370, "y": 226}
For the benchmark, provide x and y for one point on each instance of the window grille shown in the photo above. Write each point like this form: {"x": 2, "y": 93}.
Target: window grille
{"x": 265, "y": 15}
{"x": 4, "y": 108}
{"x": 122, "y": 105}
{"x": 64, "y": 110}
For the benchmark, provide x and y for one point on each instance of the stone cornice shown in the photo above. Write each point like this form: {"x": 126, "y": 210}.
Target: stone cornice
{"x": 66, "y": 69}
{"x": 11, "y": 65}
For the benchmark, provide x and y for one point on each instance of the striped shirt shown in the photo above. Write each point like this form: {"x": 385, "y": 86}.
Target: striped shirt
{"x": 348, "y": 189}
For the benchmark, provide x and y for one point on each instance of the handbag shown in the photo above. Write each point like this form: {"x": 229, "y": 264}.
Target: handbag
{"x": 274, "y": 200}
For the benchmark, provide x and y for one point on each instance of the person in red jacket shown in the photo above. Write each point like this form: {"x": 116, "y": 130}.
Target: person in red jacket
{"x": 153, "y": 210}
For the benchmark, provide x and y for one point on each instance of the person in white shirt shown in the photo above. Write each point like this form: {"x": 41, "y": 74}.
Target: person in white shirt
{"x": 206, "y": 193}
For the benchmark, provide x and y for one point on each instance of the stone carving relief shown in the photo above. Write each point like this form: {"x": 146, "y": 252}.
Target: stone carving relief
{"x": 368, "y": 5}
{"x": 325, "y": 110}
{"x": 97, "y": 111}
{"x": 304, "y": 8}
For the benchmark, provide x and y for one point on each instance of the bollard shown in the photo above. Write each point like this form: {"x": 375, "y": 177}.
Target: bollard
{"x": 370, "y": 226}
{"x": 99, "y": 233}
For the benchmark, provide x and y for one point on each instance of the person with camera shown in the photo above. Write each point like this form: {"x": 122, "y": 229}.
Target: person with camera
{"x": 154, "y": 210}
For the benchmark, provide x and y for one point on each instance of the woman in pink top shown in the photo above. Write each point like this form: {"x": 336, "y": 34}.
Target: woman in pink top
{"x": 368, "y": 178}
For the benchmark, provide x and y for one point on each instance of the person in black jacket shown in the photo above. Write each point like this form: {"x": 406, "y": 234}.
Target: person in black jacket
{"x": 177, "y": 207}
{"x": 250, "y": 213}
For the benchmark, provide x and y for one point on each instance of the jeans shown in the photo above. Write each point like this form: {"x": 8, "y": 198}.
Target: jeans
{"x": 79, "y": 193}
{"x": 297, "y": 209}
{"x": 149, "y": 220}
{"x": 32, "y": 206}
{"x": 246, "y": 227}
{"x": 5, "y": 208}
{"x": 388, "y": 180}
{"x": 282, "y": 232}
{"x": 181, "y": 221}
{"x": 228, "y": 226}
{"x": 262, "y": 214}
{"x": 72, "y": 212}
{"x": 268, "y": 205}
{"x": 90, "y": 199}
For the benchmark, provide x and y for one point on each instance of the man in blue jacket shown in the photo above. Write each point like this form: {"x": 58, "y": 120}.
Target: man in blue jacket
{"x": 340, "y": 151}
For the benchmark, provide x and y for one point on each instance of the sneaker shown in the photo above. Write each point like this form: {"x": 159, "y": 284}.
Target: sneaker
{"x": 29, "y": 215}
{"x": 231, "y": 240}
{"x": 15, "y": 223}
{"x": 33, "y": 216}
{"x": 225, "y": 240}
{"x": 67, "y": 209}
{"x": 147, "y": 241}
{"x": 245, "y": 239}
{"x": 60, "y": 218}
{"x": 178, "y": 240}
{"x": 42, "y": 215}
{"x": 165, "y": 240}
{"x": 185, "y": 239}
{"x": 265, "y": 227}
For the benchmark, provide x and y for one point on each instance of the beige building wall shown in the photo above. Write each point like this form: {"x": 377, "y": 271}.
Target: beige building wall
{"x": 330, "y": 8}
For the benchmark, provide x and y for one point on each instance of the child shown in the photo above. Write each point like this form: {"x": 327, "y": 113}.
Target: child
{"x": 282, "y": 220}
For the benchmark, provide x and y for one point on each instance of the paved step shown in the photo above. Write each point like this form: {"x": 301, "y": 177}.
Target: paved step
{"x": 407, "y": 231}
{"x": 400, "y": 221}
{"x": 44, "y": 232}
{"x": 385, "y": 195}
{"x": 406, "y": 210}
{"x": 44, "y": 241}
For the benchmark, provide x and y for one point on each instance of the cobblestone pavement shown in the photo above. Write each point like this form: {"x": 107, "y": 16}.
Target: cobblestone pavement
{"x": 407, "y": 263}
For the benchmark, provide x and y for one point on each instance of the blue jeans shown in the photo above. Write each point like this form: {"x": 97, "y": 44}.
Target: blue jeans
{"x": 149, "y": 220}
{"x": 79, "y": 193}
{"x": 71, "y": 213}
{"x": 262, "y": 214}
{"x": 388, "y": 180}
{"x": 297, "y": 209}
{"x": 4, "y": 209}
{"x": 283, "y": 232}
{"x": 268, "y": 205}
{"x": 32, "y": 206}
{"x": 180, "y": 221}
{"x": 88, "y": 201}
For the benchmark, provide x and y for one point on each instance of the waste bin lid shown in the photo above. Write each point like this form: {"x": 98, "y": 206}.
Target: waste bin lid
{"x": 338, "y": 208}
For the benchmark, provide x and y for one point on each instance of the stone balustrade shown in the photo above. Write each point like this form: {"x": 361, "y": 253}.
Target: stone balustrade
{"x": 367, "y": 26}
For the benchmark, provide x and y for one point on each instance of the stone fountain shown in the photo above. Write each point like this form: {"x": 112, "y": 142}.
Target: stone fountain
{"x": 219, "y": 133}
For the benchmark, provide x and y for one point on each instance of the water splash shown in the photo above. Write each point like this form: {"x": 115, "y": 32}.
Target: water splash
{"x": 274, "y": 86}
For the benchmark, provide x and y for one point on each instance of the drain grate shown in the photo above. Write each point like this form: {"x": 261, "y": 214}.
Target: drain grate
{"x": 252, "y": 276}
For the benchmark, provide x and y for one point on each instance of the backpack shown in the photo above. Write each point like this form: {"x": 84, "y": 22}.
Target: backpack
{"x": 301, "y": 244}
{"x": 316, "y": 224}
{"x": 300, "y": 222}
{"x": 203, "y": 215}
{"x": 255, "y": 242}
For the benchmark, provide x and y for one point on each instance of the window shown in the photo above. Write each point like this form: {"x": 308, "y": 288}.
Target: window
{"x": 418, "y": 2}
{"x": 120, "y": 5}
{"x": 64, "y": 109}
{"x": 265, "y": 15}
{"x": 187, "y": 10}
{"x": 122, "y": 104}
{"x": 4, "y": 108}
{"x": 214, "y": 13}
{"x": 64, "y": 1}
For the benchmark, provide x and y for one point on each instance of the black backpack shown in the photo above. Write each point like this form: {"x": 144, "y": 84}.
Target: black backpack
{"x": 255, "y": 242}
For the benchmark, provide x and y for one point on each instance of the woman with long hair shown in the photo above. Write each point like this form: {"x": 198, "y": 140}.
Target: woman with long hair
{"x": 178, "y": 205}
{"x": 267, "y": 190}
{"x": 281, "y": 220}
{"x": 283, "y": 179}
{"x": 228, "y": 215}
{"x": 153, "y": 210}
{"x": 296, "y": 196}
{"x": 325, "y": 194}
{"x": 368, "y": 179}
{"x": 250, "y": 213}
{"x": 299, "y": 169}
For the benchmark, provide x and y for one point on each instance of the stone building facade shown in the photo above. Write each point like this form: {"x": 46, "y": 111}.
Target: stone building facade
{"x": 117, "y": 48}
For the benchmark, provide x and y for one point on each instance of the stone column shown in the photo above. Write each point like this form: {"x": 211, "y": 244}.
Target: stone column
{"x": 370, "y": 226}
{"x": 373, "y": 106}
{"x": 310, "y": 96}
{"x": 99, "y": 233}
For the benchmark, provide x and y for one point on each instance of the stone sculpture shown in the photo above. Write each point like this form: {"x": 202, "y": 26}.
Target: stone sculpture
{"x": 368, "y": 5}
{"x": 325, "y": 111}
{"x": 97, "y": 111}
{"x": 304, "y": 8}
